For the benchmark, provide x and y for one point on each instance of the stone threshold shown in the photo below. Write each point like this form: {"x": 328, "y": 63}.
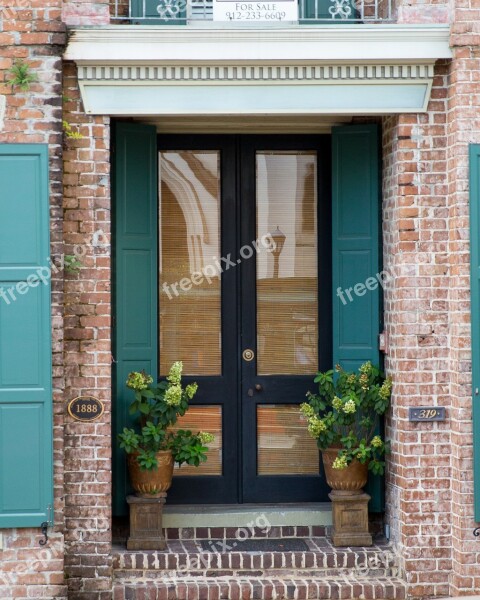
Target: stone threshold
{"x": 243, "y": 515}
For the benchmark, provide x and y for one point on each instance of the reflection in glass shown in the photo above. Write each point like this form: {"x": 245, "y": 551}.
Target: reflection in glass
{"x": 284, "y": 445}
{"x": 287, "y": 286}
{"x": 189, "y": 244}
{"x": 208, "y": 419}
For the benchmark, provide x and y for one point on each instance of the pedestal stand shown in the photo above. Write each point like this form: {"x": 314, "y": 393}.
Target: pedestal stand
{"x": 350, "y": 519}
{"x": 146, "y": 531}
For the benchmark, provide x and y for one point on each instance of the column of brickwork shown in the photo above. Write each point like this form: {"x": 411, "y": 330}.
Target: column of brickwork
{"x": 415, "y": 236}
{"x": 88, "y": 446}
{"x": 463, "y": 129}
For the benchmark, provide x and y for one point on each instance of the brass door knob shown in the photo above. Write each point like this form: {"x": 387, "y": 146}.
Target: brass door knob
{"x": 248, "y": 355}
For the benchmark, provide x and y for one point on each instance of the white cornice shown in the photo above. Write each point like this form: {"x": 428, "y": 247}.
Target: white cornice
{"x": 147, "y": 45}
{"x": 323, "y": 70}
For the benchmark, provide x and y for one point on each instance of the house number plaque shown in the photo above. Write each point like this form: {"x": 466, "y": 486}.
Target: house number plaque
{"x": 426, "y": 413}
{"x": 85, "y": 408}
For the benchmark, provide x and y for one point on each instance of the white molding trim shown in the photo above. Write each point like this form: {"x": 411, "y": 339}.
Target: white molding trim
{"x": 246, "y": 73}
{"x": 334, "y": 43}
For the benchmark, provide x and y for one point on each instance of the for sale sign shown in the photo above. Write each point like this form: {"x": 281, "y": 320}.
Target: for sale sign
{"x": 231, "y": 10}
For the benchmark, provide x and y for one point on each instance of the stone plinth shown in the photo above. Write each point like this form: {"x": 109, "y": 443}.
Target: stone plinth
{"x": 350, "y": 519}
{"x": 146, "y": 531}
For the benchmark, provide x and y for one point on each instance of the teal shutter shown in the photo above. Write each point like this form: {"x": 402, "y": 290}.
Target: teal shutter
{"x": 26, "y": 427}
{"x": 355, "y": 254}
{"x": 136, "y": 277}
{"x": 475, "y": 314}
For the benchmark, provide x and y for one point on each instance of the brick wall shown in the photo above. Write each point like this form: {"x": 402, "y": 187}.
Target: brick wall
{"x": 415, "y": 218}
{"x": 32, "y": 31}
{"x": 463, "y": 128}
{"x": 87, "y": 350}
{"x": 425, "y": 216}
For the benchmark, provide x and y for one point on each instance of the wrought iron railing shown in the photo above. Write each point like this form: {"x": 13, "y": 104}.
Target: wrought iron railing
{"x": 171, "y": 12}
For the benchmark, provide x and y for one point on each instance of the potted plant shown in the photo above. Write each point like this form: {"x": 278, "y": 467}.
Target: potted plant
{"x": 343, "y": 417}
{"x": 153, "y": 447}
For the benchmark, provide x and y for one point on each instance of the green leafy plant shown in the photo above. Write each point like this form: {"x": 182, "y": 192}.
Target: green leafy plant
{"x": 21, "y": 75}
{"x": 157, "y": 409}
{"x": 71, "y": 264}
{"x": 70, "y": 133}
{"x": 346, "y": 413}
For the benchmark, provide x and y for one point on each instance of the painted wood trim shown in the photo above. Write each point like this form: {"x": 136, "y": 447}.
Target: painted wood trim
{"x": 338, "y": 43}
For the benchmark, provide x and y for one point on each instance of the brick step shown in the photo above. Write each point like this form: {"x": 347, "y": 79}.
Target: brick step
{"x": 242, "y": 565}
{"x": 120, "y": 532}
{"x": 262, "y": 588}
{"x": 321, "y": 559}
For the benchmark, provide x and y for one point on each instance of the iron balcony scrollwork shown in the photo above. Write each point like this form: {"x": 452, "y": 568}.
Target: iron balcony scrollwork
{"x": 309, "y": 11}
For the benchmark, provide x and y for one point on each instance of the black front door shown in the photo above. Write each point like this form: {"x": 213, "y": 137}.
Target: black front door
{"x": 244, "y": 302}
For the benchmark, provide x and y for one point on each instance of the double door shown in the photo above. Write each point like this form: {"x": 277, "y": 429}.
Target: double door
{"x": 244, "y": 301}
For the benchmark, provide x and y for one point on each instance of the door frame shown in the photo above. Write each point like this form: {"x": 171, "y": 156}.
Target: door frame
{"x": 134, "y": 146}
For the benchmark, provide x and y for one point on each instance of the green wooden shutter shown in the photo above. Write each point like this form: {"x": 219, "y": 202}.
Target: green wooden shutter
{"x": 26, "y": 427}
{"x": 136, "y": 277}
{"x": 355, "y": 254}
{"x": 475, "y": 313}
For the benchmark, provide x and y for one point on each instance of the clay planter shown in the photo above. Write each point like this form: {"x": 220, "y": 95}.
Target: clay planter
{"x": 345, "y": 482}
{"x": 152, "y": 483}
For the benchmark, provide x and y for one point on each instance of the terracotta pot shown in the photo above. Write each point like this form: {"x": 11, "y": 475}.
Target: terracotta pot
{"x": 346, "y": 482}
{"x": 153, "y": 482}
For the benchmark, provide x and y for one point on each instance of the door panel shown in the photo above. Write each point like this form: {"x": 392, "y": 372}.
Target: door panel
{"x": 282, "y": 446}
{"x": 197, "y": 314}
{"x": 204, "y": 418}
{"x": 286, "y": 277}
{"x": 285, "y": 193}
{"x": 189, "y": 286}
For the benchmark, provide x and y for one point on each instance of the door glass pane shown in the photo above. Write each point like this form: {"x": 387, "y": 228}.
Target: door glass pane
{"x": 189, "y": 234}
{"x": 284, "y": 445}
{"x": 287, "y": 287}
{"x": 208, "y": 419}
